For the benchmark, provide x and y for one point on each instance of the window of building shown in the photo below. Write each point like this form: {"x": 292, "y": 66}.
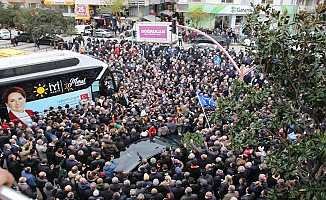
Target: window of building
{"x": 227, "y": 1}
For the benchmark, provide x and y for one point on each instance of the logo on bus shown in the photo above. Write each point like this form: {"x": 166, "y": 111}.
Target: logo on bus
{"x": 40, "y": 90}
{"x": 58, "y": 87}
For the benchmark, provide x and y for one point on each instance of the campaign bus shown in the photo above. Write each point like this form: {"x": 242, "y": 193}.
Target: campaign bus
{"x": 33, "y": 83}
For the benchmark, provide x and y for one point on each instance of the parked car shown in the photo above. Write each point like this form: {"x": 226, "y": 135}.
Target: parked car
{"x": 4, "y": 34}
{"x": 204, "y": 42}
{"x": 24, "y": 37}
{"x": 103, "y": 33}
{"x": 50, "y": 40}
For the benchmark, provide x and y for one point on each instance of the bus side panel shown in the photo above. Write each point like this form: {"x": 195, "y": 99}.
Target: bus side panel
{"x": 72, "y": 99}
{"x": 41, "y": 94}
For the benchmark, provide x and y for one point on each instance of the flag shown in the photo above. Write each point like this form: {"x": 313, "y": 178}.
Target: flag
{"x": 84, "y": 96}
{"x": 206, "y": 101}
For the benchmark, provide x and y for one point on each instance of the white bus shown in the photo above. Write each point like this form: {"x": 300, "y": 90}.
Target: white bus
{"x": 51, "y": 79}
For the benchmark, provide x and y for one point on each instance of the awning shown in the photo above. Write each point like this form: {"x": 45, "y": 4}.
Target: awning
{"x": 59, "y": 2}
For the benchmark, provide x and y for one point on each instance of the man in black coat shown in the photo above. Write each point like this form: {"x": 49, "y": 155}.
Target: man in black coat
{"x": 178, "y": 190}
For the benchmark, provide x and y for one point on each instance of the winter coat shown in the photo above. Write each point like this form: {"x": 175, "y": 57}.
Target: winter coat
{"x": 41, "y": 150}
{"x": 189, "y": 197}
{"x": 27, "y": 190}
{"x": 109, "y": 169}
{"x": 31, "y": 180}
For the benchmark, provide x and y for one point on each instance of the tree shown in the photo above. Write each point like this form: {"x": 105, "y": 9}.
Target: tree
{"x": 292, "y": 56}
{"x": 242, "y": 111}
{"x": 191, "y": 140}
{"x": 40, "y": 22}
{"x": 8, "y": 17}
{"x": 303, "y": 162}
{"x": 196, "y": 15}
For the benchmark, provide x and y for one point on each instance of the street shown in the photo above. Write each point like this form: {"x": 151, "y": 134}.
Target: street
{"x": 28, "y": 47}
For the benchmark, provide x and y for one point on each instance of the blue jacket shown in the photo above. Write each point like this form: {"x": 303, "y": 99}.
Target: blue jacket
{"x": 31, "y": 180}
{"x": 109, "y": 169}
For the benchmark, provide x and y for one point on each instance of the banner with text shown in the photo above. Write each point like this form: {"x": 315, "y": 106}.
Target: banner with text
{"x": 153, "y": 32}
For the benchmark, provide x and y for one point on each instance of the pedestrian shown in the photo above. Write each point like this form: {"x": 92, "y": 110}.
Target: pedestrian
{"x": 180, "y": 39}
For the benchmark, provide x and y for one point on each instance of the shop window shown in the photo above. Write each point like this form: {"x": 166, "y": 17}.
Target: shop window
{"x": 227, "y": 1}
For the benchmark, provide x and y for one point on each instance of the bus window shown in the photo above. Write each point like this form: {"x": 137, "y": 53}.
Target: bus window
{"x": 96, "y": 89}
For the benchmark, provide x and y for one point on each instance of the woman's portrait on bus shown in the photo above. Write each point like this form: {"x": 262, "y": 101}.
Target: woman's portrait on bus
{"x": 15, "y": 100}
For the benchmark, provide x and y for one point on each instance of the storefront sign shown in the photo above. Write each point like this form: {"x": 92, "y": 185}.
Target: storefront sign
{"x": 153, "y": 32}
{"x": 220, "y": 9}
{"x": 241, "y": 9}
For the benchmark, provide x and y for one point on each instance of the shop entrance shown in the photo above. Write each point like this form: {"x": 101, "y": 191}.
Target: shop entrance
{"x": 223, "y": 22}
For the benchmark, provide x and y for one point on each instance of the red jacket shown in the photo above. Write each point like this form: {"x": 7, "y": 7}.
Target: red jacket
{"x": 152, "y": 131}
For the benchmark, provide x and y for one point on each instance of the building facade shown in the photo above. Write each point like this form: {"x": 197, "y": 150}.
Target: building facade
{"x": 225, "y": 14}
{"x": 23, "y": 3}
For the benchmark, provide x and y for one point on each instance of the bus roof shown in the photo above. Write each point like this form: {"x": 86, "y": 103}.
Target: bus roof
{"x": 44, "y": 57}
{"x": 42, "y": 63}
{"x": 11, "y": 52}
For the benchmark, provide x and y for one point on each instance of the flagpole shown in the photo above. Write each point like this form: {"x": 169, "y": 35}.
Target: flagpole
{"x": 209, "y": 126}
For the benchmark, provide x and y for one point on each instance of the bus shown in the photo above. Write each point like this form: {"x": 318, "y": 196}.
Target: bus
{"x": 36, "y": 82}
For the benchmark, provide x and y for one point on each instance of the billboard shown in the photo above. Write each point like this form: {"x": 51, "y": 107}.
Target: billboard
{"x": 154, "y": 32}
{"x": 20, "y": 101}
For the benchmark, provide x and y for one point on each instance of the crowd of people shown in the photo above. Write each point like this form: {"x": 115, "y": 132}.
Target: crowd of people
{"x": 68, "y": 153}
